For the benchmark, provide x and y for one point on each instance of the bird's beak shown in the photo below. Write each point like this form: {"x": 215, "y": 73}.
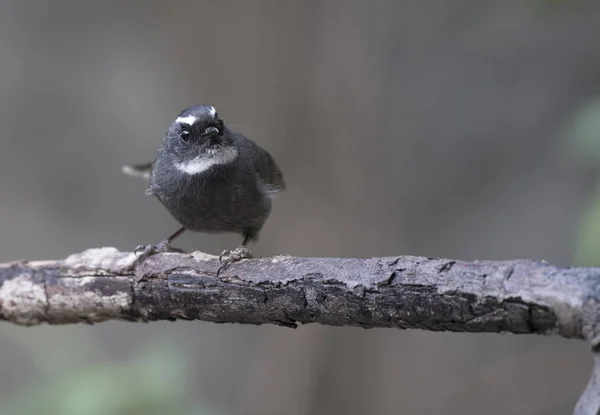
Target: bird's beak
{"x": 210, "y": 132}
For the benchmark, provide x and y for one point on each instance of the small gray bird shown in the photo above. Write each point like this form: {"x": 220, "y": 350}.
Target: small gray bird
{"x": 211, "y": 179}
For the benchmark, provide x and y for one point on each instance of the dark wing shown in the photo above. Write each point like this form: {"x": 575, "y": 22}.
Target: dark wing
{"x": 270, "y": 176}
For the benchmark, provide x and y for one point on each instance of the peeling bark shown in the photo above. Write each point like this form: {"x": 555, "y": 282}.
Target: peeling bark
{"x": 518, "y": 296}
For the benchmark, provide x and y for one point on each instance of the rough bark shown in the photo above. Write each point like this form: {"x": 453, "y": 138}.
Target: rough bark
{"x": 518, "y": 296}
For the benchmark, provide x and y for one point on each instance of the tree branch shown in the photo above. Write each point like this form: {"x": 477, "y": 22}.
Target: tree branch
{"x": 519, "y": 296}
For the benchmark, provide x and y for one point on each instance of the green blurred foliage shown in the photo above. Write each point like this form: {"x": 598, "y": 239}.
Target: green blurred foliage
{"x": 584, "y": 131}
{"x": 583, "y": 137}
{"x": 154, "y": 382}
{"x": 587, "y": 250}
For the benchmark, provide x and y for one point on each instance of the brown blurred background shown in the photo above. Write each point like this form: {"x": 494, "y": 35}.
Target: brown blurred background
{"x": 467, "y": 129}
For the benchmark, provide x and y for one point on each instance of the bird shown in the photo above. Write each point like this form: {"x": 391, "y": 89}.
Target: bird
{"x": 211, "y": 179}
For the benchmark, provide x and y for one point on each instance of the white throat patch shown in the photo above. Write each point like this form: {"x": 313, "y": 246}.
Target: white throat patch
{"x": 206, "y": 161}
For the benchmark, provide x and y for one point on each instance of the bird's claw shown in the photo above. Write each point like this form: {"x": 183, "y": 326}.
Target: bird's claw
{"x": 233, "y": 256}
{"x": 224, "y": 253}
{"x": 141, "y": 248}
{"x": 146, "y": 251}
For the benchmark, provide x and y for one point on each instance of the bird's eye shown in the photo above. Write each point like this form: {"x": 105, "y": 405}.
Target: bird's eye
{"x": 185, "y": 135}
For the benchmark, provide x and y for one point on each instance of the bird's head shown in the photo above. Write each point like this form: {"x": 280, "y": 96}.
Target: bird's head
{"x": 198, "y": 139}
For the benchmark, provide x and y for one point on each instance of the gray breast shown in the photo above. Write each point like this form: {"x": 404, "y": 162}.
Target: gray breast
{"x": 223, "y": 199}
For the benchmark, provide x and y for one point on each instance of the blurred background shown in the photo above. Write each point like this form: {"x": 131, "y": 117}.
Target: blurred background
{"x": 467, "y": 129}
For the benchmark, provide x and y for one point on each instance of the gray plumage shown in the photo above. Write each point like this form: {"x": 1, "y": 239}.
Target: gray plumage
{"x": 210, "y": 178}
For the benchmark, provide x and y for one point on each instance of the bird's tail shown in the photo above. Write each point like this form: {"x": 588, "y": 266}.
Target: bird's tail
{"x": 138, "y": 170}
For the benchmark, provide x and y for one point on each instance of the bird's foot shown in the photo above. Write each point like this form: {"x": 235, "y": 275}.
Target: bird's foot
{"x": 233, "y": 256}
{"x": 146, "y": 251}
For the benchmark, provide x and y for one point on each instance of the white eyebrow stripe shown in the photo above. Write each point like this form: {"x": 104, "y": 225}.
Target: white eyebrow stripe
{"x": 213, "y": 111}
{"x": 202, "y": 163}
{"x": 190, "y": 120}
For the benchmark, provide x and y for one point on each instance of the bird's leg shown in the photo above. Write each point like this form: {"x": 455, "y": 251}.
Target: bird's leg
{"x": 241, "y": 252}
{"x": 147, "y": 251}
